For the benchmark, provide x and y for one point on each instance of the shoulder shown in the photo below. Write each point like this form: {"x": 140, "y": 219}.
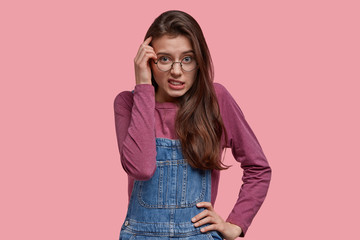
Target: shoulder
{"x": 227, "y": 104}
{"x": 141, "y": 92}
{"x": 219, "y": 88}
{"x": 124, "y": 99}
{"x": 222, "y": 94}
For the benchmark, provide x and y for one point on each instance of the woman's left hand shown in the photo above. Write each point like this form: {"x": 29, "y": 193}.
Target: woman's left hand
{"x": 228, "y": 230}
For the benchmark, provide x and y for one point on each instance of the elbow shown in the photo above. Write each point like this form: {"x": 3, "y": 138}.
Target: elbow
{"x": 137, "y": 168}
{"x": 265, "y": 174}
{"x": 258, "y": 173}
{"x": 268, "y": 172}
{"x": 144, "y": 174}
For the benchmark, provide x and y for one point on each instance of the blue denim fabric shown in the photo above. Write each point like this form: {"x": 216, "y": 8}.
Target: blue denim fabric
{"x": 162, "y": 207}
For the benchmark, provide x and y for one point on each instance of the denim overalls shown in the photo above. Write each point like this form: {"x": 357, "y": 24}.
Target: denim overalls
{"x": 162, "y": 207}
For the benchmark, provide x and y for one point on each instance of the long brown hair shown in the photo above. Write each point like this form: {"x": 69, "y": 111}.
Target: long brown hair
{"x": 198, "y": 124}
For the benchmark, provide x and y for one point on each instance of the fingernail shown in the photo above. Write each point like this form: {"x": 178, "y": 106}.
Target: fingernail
{"x": 202, "y": 230}
{"x": 193, "y": 219}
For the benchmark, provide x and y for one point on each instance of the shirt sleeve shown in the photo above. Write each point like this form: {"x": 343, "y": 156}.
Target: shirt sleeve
{"x": 135, "y": 131}
{"x": 248, "y": 152}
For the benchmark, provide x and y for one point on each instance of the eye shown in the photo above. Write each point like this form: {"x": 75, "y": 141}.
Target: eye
{"x": 187, "y": 59}
{"x": 164, "y": 59}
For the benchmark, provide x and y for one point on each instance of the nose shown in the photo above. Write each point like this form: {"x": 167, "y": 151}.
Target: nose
{"x": 176, "y": 69}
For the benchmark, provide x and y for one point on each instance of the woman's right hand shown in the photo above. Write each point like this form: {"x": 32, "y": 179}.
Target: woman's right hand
{"x": 141, "y": 62}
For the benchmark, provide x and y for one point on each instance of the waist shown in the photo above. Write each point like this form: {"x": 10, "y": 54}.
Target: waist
{"x": 161, "y": 229}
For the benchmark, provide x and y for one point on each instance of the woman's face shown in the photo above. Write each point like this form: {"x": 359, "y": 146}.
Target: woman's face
{"x": 175, "y": 82}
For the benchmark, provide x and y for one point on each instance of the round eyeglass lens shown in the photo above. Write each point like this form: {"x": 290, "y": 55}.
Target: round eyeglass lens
{"x": 187, "y": 64}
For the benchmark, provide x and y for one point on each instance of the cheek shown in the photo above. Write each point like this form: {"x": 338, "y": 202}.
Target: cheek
{"x": 155, "y": 73}
{"x": 193, "y": 77}
{"x": 159, "y": 76}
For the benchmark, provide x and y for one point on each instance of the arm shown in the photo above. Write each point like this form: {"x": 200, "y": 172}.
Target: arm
{"x": 135, "y": 120}
{"x": 248, "y": 152}
{"x": 135, "y": 131}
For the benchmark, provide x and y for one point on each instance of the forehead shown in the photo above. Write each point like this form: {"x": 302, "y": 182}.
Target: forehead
{"x": 172, "y": 45}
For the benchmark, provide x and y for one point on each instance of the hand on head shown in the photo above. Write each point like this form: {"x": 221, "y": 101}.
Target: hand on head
{"x": 141, "y": 62}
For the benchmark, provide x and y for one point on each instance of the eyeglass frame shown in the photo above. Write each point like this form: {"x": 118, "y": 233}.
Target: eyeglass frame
{"x": 173, "y": 65}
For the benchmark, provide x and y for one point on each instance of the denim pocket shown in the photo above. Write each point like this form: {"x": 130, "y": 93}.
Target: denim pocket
{"x": 126, "y": 236}
{"x": 174, "y": 184}
{"x": 214, "y": 235}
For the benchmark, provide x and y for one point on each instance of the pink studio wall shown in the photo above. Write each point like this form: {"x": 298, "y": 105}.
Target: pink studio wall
{"x": 292, "y": 66}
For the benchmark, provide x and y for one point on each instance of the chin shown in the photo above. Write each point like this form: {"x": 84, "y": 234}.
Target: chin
{"x": 177, "y": 95}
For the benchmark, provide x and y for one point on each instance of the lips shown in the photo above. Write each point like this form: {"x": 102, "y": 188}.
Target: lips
{"x": 175, "y": 82}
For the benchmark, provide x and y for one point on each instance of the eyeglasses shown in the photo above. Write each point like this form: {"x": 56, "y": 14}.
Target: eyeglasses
{"x": 165, "y": 63}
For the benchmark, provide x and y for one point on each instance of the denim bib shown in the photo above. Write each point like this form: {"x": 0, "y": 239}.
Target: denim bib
{"x": 162, "y": 207}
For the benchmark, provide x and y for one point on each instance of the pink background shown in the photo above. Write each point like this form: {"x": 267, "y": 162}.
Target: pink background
{"x": 292, "y": 66}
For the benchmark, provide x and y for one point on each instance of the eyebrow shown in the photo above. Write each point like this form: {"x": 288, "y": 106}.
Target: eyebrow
{"x": 165, "y": 53}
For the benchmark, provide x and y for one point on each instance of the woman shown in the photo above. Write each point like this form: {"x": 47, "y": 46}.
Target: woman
{"x": 171, "y": 132}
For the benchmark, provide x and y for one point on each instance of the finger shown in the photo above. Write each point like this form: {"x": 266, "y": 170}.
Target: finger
{"x": 149, "y": 49}
{"x": 144, "y": 56}
{"x": 206, "y": 220}
{"x": 201, "y": 215}
{"x": 145, "y": 44}
{"x": 210, "y": 228}
{"x": 147, "y": 41}
{"x": 207, "y": 205}
{"x": 143, "y": 50}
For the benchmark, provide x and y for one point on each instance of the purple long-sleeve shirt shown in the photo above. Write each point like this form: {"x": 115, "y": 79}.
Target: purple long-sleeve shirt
{"x": 139, "y": 119}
